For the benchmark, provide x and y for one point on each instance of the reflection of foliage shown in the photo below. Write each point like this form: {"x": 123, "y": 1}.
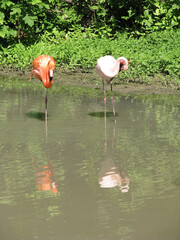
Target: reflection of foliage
{"x": 36, "y": 115}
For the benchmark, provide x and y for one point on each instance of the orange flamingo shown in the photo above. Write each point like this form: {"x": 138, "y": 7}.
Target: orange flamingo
{"x": 108, "y": 67}
{"x": 43, "y": 67}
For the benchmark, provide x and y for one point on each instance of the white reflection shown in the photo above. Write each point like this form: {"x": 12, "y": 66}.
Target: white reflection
{"x": 109, "y": 174}
{"x": 109, "y": 177}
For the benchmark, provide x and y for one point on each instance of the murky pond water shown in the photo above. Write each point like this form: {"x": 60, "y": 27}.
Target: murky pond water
{"x": 81, "y": 177}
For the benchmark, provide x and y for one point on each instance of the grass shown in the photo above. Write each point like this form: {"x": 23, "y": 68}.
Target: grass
{"x": 156, "y": 54}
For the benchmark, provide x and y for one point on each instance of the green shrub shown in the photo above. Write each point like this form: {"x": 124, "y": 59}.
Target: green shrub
{"x": 155, "y": 53}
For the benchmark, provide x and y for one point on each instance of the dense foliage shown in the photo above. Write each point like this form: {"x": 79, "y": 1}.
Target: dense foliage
{"x": 28, "y": 19}
{"x": 76, "y": 33}
{"x": 155, "y": 53}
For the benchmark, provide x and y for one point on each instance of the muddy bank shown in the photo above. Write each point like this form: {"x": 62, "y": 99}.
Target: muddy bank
{"x": 91, "y": 80}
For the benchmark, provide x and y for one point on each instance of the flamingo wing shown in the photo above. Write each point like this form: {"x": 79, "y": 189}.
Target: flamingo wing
{"x": 41, "y": 69}
{"x": 105, "y": 67}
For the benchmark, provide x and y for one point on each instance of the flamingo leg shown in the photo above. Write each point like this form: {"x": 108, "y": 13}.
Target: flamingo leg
{"x": 104, "y": 90}
{"x": 46, "y": 110}
{"x": 105, "y": 133}
{"x": 112, "y": 99}
{"x": 46, "y": 98}
{"x": 46, "y": 122}
{"x": 114, "y": 133}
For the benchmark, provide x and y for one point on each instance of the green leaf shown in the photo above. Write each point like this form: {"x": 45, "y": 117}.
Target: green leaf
{"x": 125, "y": 17}
{"x": 146, "y": 13}
{"x": 174, "y": 23}
{"x": 46, "y": 5}
{"x": 131, "y": 12}
{"x": 157, "y": 12}
{"x": 15, "y": 11}
{"x": 94, "y": 7}
{"x": 34, "y": 2}
{"x": 29, "y": 20}
{"x": 4, "y": 31}
{"x": 1, "y": 18}
{"x": 5, "y": 4}
{"x": 13, "y": 32}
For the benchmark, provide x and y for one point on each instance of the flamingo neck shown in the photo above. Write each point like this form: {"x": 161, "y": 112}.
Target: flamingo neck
{"x": 117, "y": 67}
{"x": 123, "y": 59}
{"x": 120, "y": 59}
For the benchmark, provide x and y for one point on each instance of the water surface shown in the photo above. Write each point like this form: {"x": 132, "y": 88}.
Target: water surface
{"x": 78, "y": 176}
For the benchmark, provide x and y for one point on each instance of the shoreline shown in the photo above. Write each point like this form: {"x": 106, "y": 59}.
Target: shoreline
{"x": 90, "y": 79}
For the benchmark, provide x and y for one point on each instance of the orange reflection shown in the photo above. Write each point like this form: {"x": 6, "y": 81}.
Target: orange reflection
{"x": 45, "y": 179}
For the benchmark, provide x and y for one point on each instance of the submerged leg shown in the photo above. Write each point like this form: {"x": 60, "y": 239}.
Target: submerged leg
{"x": 112, "y": 100}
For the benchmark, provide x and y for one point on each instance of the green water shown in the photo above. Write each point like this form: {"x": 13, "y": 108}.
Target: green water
{"x": 76, "y": 176}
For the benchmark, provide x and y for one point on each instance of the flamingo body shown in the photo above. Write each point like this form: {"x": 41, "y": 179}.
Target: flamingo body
{"x": 108, "y": 67}
{"x": 43, "y": 67}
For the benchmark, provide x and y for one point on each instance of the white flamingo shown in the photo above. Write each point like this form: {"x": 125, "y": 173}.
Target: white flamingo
{"x": 108, "y": 67}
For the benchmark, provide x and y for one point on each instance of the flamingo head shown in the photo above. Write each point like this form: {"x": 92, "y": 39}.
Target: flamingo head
{"x": 48, "y": 80}
{"x": 123, "y": 64}
{"x": 51, "y": 66}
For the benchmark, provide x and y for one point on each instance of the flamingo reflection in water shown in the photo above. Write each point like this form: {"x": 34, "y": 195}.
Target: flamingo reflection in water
{"x": 45, "y": 178}
{"x": 109, "y": 174}
{"x": 109, "y": 177}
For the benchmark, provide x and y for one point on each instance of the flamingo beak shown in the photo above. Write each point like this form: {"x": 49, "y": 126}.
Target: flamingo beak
{"x": 120, "y": 67}
{"x": 51, "y": 74}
